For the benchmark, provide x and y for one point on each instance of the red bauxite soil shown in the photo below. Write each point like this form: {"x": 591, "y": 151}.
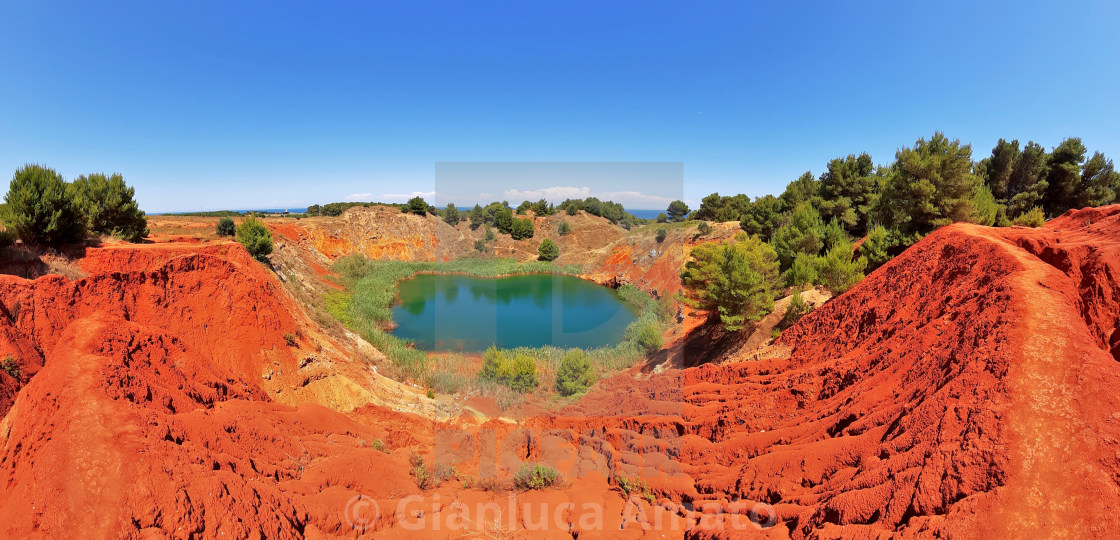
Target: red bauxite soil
{"x": 965, "y": 389}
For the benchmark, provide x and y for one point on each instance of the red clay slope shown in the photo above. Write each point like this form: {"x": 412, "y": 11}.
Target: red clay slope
{"x": 149, "y": 413}
{"x": 967, "y": 388}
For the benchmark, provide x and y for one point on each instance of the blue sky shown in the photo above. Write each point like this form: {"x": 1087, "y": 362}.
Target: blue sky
{"x": 278, "y": 104}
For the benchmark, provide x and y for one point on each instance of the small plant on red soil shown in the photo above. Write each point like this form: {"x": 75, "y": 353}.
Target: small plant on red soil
{"x": 634, "y": 486}
{"x": 536, "y": 476}
{"x": 11, "y": 367}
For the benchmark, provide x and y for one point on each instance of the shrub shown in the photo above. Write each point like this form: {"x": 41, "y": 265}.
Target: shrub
{"x": 1031, "y": 218}
{"x": 11, "y": 367}
{"x": 573, "y": 209}
{"x": 704, "y": 228}
{"x": 255, "y": 237}
{"x": 575, "y": 373}
{"x": 677, "y": 211}
{"x": 479, "y": 246}
{"x": 451, "y": 215}
{"x": 379, "y": 445}
{"x": 7, "y": 238}
{"x": 803, "y": 233}
{"x": 521, "y": 229}
{"x": 646, "y": 335}
{"x": 489, "y": 234}
{"x": 565, "y": 229}
{"x": 661, "y": 234}
{"x": 109, "y": 206}
{"x": 735, "y": 280}
{"x": 518, "y": 372}
{"x": 226, "y": 227}
{"x": 431, "y": 394}
{"x": 416, "y": 205}
{"x": 548, "y": 250}
{"x": 803, "y": 271}
{"x": 536, "y": 476}
{"x": 838, "y": 270}
{"x": 40, "y": 209}
{"x": 290, "y": 339}
{"x": 797, "y": 309}
{"x": 634, "y": 486}
{"x": 662, "y": 218}
{"x": 429, "y": 477}
{"x": 875, "y": 248}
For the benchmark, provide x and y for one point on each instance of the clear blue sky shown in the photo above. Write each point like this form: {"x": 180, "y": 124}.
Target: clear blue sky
{"x": 274, "y": 104}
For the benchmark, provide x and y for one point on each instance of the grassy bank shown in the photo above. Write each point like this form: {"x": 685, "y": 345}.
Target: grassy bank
{"x": 365, "y": 306}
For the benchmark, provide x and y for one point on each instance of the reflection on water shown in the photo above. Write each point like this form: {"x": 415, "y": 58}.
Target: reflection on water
{"x": 531, "y": 311}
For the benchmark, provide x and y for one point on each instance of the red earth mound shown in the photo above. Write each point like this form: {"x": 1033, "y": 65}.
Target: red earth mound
{"x": 966, "y": 388}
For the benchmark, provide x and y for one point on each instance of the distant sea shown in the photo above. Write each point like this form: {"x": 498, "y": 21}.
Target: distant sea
{"x": 645, "y": 214}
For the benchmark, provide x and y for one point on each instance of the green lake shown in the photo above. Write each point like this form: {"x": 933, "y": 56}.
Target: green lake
{"x": 452, "y": 312}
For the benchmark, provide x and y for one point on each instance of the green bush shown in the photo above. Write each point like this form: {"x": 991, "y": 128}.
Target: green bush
{"x": 416, "y": 205}
{"x": 451, "y": 215}
{"x": 109, "y": 206}
{"x": 565, "y": 229}
{"x": 646, "y": 335}
{"x": 661, "y": 234}
{"x": 704, "y": 228}
{"x": 226, "y": 227}
{"x": 429, "y": 476}
{"x": 876, "y": 247}
{"x": 838, "y": 270}
{"x": 255, "y": 237}
{"x": 634, "y": 486}
{"x": 517, "y": 371}
{"x": 521, "y": 229}
{"x": 479, "y": 246}
{"x": 548, "y": 250}
{"x": 735, "y": 280}
{"x": 40, "y": 209}
{"x": 1031, "y": 218}
{"x": 536, "y": 476}
{"x": 575, "y": 374}
{"x": 803, "y": 272}
{"x": 677, "y": 211}
{"x": 797, "y": 309}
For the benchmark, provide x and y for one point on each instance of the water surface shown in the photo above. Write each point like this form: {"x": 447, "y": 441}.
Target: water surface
{"x": 451, "y": 312}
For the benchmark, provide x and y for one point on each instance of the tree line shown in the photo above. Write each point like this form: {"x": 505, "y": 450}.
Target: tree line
{"x": 41, "y": 207}
{"x": 808, "y": 230}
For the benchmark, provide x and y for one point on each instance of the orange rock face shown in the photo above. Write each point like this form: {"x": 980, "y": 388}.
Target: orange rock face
{"x": 966, "y": 389}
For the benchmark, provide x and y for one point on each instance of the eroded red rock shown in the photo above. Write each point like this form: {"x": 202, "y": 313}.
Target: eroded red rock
{"x": 967, "y": 389}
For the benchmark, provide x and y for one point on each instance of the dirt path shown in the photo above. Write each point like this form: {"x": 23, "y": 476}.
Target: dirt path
{"x": 1047, "y": 489}
{"x": 91, "y": 471}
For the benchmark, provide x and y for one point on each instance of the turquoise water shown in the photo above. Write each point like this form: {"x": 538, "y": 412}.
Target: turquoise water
{"x": 450, "y": 312}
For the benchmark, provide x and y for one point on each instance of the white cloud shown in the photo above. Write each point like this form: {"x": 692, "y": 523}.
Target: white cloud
{"x": 551, "y": 194}
{"x": 636, "y": 199}
{"x": 403, "y": 197}
{"x": 358, "y": 197}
